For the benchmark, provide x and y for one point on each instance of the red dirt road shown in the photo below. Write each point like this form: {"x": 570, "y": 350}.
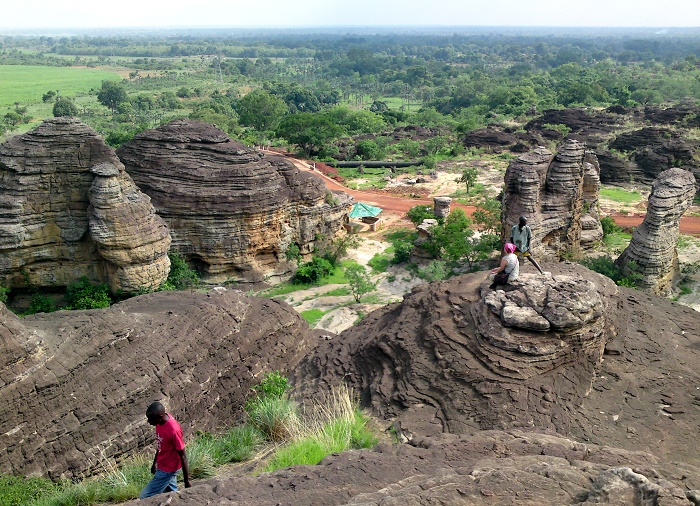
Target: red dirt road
{"x": 690, "y": 225}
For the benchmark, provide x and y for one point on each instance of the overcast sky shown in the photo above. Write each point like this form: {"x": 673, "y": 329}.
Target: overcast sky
{"x": 17, "y": 14}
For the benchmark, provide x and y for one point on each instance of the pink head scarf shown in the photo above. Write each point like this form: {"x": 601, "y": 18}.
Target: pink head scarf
{"x": 509, "y": 247}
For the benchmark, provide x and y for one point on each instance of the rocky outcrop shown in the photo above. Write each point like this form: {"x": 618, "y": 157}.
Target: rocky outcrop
{"x": 74, "y": 385}
{"x": 232, "y": 212}
{"x": 63, "y": 217}
{"x": 495, "y": 140}
{"x": 457, "y": 357}
{"x": 128, "y": 233}
{"x": 559, "y": 196}
{"x": 652, "y": 253}
{"x": 488, "y": 468}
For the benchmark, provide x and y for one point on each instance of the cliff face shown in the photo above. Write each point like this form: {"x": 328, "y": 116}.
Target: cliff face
{"x": 232, "y": 212}
{"x": 68, "y": 209}
{"x": 559, "y": 195}
{"x": 652, "y": 251}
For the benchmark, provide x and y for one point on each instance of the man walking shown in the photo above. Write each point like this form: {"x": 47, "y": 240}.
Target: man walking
{"x": 521, "y": 235}
{"x": 170, "y": 453}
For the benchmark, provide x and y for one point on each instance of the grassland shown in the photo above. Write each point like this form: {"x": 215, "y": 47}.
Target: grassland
{"x": 620, "y": 195}
{"x": 27, "y": 84}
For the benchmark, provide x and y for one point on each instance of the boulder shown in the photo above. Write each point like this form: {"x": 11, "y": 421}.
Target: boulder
{"x": 68, "y": 209}
{"x": 652, "y": 252}
{"x": 232, "y": 212}
{"x": 559, "y": 196}
{"x": 74, "y": 385}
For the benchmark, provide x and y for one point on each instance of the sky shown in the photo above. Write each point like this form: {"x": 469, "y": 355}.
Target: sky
{"x": 20, "y": 14}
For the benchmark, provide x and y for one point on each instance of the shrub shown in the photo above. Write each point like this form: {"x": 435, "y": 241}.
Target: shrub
{"x": 609, "y": 226}
{"x": 402, "y": 252}
{"x": 606, "y": 266}
{"x": 434, "y": 271}
{"x": 272, "y": 385}
{"x": 181, "y": 275}
{"x": 272, "y": 416}
{"x": 82, "y": 294}
{"x": 313, "y": 271}
{"x": 419, "y": 213}
{"x": 293, "y": 252}
{"x": 41, "y": 304}
{"x": 359, "y": 281}
{"x": 4, "y": 294}
{"x": 379, "y": 262}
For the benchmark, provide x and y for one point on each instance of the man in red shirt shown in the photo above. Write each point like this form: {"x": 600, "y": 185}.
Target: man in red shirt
{"x": 170, "y": 453}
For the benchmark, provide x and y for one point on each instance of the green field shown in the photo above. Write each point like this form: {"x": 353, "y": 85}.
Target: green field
{"x": 27, "y": 84}
{"x": 620, "y": 195}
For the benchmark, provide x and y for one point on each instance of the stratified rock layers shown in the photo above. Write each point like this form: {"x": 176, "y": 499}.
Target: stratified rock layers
{"x": 61, "y": 220}
{"x": 74, "y": 385}
{"x": 559, "y": 196}
{"x": 571, "y": 353}
{"x": 231, "y": 211}
{"x": 652, "y": 251}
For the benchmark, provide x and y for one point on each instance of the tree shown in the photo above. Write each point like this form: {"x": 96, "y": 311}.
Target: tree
{"x": 309, "y": 131}
{"x": 359, "y": 281}
{"x": 261, "y": 110}
{"x": 112, "y": 94}
{"x": 419, "y": 213}
{"x": 468, "y": 177}
{"x": 64, "y": 106}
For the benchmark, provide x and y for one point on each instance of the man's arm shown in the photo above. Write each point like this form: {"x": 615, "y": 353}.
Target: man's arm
{"x": 185, "y": 469}
{"x": 153, "y": 467}
{"x": 529, "y": 237}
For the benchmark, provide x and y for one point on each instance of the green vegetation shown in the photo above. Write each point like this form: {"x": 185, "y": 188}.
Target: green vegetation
{"x": 334, "y": 424}
{"x": 312, "y": 272}
{"x": 82, "y": 294}
{"x": 606, "y": 266}
{"x": 419, "y": 213}
{"x": 620, "y": 195}
{"x": 312, "y": 316}
{"x": 26, "y": 84}
{"x": 359, "y": 280}
{"x": 181, "y": 275}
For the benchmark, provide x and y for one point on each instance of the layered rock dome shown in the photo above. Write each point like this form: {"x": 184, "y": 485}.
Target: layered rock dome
{"x": 232, "y": 212}
{"x": 558, "y": 193}
{"x": 652, "y": 252}
{"x": 68, "y": 209}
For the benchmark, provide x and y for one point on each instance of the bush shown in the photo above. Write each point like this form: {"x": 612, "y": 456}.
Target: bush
{"x": 64, "y": 106}
{"x": 359, "y": 281}
{"x": 272, "y": 385}
{"x": 4, "y": 294}
{"x": 606, "y": 266}
{"x": 272, "y": 416}
{"x": 293, "y": 252}
{"x": 419, "y": 213}
{"x": 82, "y": 294}
{"x": 609, "y": 226}
{"x": 402, "y": 252}
{"x": 41, "y": 304}
{"x": 313, "y": 271}
{"x": 379, "y": 262}
{"x": 434, "y": 271}
{"x": 181, "y": 275}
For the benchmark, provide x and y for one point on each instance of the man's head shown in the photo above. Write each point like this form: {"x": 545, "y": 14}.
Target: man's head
{"x": 155, "y": 414}
{"x": 522, "y": 221}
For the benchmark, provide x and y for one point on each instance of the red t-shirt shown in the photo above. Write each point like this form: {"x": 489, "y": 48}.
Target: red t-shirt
{"x": 169, "y": 438}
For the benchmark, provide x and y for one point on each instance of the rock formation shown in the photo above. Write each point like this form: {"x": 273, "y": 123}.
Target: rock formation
{"x": 232, "y": 212}
{"x": 652, "y": 251}
{"x": 457, "y": 357}
{"x": 488, "y": 468}
{"x": 441, "y": 207}
{"x": 74, "y": 384}
{"x": 559, "y": 196}
{"x": 68, "y": 209}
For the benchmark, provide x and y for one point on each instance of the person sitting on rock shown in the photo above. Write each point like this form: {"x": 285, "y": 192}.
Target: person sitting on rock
{"x": 521, "y": 236}
{"x": 509, "y": 269}
{"x": 170, "y": 453}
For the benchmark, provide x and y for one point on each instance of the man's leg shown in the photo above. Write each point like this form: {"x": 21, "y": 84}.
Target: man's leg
{"x": 160, "y": 483}
{"x": 534, "y": 262}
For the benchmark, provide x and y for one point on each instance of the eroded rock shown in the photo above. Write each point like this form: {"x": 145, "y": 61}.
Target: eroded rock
{"x": 74, "y": 384}
{"x": 652, "y": 252}
{"x": 559, "y": 196}
{"x": 232, "y": 212}
{"x": 68, "y": 209}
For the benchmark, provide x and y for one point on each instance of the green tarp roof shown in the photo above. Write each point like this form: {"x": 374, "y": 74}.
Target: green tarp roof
{"x": 360, "y": 210}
